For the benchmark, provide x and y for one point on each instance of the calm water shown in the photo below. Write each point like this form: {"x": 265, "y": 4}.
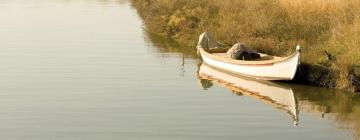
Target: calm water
{"x": 85, "y": 69}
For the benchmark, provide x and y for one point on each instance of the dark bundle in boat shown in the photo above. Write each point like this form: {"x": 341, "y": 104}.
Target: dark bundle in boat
{"x": 240, "y": 52}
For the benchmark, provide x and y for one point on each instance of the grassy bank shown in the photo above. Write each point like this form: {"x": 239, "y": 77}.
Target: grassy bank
{"x": 327, "y": 30}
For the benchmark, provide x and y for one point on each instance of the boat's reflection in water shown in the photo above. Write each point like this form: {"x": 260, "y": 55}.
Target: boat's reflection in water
{"x": 341, "y": 108}
{"x": 280, "y": 97}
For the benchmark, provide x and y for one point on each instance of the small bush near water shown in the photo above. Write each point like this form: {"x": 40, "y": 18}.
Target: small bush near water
{"x": 327, "y": 30}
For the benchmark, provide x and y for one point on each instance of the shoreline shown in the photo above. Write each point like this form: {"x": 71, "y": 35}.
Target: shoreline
{"x": 330, "y": 55}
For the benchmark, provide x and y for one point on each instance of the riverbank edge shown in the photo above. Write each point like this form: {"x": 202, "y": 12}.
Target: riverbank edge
{"x": 308, "y": 73}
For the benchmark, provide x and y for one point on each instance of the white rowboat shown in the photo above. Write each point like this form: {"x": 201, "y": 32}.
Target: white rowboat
{"x": 266, "y": 68}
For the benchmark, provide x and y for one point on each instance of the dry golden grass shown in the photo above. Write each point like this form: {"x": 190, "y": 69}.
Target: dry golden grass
{"x": 270, "y": 26}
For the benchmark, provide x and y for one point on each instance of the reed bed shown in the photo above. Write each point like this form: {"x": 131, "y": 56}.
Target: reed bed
{"x": 327, "y": 30}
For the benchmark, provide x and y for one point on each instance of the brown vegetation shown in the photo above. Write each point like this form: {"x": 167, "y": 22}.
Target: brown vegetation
{"x": 327, "y": 30}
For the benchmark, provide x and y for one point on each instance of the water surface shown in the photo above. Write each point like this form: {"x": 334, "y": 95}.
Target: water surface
{"x": 86, "y": 69}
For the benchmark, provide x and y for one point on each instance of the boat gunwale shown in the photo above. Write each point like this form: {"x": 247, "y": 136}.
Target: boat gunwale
{"x": 243, "y": 62}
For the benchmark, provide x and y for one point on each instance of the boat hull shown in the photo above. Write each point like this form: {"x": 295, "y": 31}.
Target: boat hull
{"x": 284, "y": 70}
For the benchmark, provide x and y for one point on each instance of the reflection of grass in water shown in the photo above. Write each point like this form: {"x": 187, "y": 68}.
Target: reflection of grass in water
{"x": 342, "y": 107}
{"x": 170, "y": 45}
{"x": 270, "y": 26}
